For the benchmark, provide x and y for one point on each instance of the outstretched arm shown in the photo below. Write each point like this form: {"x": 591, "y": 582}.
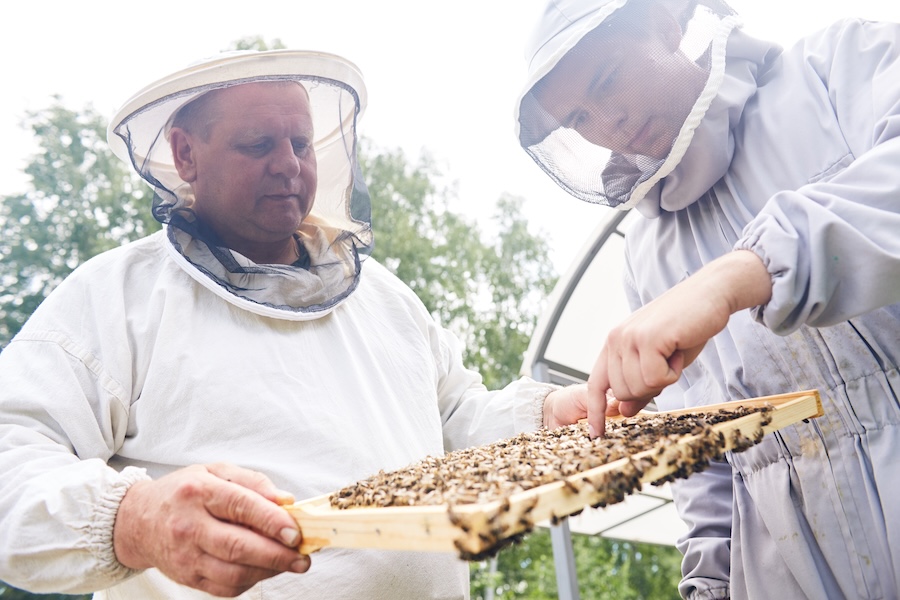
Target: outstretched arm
{"x": 649, "y": 350}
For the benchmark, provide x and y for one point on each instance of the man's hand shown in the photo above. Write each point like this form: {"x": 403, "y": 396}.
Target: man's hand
{"x": 565, "y": 406}
{"x": 569, "y": 405}
{"x": 651, "y": 348}
{"x": 216, "y": 528}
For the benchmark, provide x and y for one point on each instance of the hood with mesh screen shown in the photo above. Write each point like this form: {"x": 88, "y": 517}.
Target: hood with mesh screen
{"x": 336, "y": 235}
{"x": 616, "y": 89}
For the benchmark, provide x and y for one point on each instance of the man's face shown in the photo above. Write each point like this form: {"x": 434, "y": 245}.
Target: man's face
{"x": 624, "y": 91}
{"x": 253, "y": 171}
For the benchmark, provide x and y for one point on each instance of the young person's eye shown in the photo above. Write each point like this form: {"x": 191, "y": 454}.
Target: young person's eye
{"x": 608, "y": 81}
{"x": 578, "y": 119}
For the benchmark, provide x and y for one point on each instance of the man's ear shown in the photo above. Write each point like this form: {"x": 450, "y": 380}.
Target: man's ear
{"x": 181, "y": 143}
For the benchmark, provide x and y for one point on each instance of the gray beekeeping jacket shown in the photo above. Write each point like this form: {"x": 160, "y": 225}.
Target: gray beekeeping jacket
{"x": 798, "y": 160}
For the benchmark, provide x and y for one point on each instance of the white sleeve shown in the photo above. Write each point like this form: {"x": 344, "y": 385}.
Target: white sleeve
{"x": 471, "y": 414}
{"x": 60, "y": 421}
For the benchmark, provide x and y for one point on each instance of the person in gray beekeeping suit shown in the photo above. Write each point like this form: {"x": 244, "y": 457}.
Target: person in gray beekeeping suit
{"x": 767, "y": 260}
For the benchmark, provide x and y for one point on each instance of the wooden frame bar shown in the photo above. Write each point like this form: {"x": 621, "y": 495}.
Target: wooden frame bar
{"x": 477, "y": 530}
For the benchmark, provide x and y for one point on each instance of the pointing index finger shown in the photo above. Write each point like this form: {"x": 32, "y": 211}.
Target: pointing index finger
{"x": 598, "y": 385}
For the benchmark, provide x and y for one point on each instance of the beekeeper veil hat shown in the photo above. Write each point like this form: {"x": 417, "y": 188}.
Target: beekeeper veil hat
{"x": 334, "y": 237}
{"x": 616, "y": 88}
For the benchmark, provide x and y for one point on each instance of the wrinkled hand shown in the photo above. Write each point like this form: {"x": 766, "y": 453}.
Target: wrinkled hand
{"x": 650, "y": 349}
{"x": 216, "y": 528}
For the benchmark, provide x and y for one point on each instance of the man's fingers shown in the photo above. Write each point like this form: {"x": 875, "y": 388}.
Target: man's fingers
{"x": 633, "y": 380}
{"x": 612, "y": 404}
{"x": 565, "y": 406}
{"x": 236, "y": 504}
{"x": 221, "y": 578}
{"x": 250, "y": 479}
{"x": 237, "y": 546}
{"x": 209, "y": 528}
{"x": 629, "y": 408}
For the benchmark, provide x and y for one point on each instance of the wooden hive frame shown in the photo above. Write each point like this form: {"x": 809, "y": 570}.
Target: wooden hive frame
{"x": 474, "y": 531}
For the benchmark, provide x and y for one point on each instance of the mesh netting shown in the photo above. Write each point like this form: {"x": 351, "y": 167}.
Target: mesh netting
{"x": 617, "y": 89}
{"x": 333, "y": 237}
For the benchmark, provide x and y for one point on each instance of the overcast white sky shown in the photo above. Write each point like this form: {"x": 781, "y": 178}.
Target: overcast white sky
{"x": 441, "y": 76}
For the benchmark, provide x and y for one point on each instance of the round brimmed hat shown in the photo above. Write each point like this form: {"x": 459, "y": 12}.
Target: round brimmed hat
{"x": 337, "y": 233}
{"x": 138, "y": 131}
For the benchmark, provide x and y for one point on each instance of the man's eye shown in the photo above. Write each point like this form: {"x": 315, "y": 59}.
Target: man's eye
{"x": 258, "y": 148}
{"x": 301, "y": 148}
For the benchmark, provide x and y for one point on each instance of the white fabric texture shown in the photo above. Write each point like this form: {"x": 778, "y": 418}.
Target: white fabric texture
{"x": 131, "y": 368}
{"x": 812, "y": 188}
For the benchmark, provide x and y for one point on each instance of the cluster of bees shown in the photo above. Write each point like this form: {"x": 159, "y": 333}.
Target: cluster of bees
{"x": 495, "y": 473}
{"x": 498, "y": 470}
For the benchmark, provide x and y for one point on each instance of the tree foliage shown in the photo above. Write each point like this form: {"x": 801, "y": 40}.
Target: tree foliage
{"x": 489, "y": 293}
{"x": 256, "y": 42}
{"x": 83, "y": 200}
{"x": 607, "y": 569}
{"x": 11, "y": 593}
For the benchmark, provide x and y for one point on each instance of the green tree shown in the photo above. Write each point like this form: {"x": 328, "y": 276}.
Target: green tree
{"x": 11, "y": 593}
{"x": 607, "y": 569}
{"x": 488, "y": 293}
{"x": 256, "y": 42}
{"x": 83, "y": 200}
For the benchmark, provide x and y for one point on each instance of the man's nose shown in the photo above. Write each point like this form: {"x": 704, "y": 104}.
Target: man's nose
{"x": 284, "y": 160}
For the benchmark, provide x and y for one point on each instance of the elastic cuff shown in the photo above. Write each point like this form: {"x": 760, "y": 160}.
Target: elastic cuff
{"x": 713, "y": 593}
{"x": 537, "y": 405}
{"x": 104, "y": 521}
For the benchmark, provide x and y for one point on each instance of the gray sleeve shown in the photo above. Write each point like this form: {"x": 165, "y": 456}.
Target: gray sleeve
{"x": 832, "y": 246}
{"x": 704, "y": 503}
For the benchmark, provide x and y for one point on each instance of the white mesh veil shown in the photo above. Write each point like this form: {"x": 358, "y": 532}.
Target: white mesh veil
{"x": 337, "y": 233}
{"x": 616, "y": 89}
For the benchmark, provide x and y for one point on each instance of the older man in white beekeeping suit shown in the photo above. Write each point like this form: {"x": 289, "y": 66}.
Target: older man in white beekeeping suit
{"x": 767, "y": 260}
{"x": 155, "y": 406}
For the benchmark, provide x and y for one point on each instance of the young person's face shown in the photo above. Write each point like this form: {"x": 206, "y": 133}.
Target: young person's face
{"x": 626, "y": 89}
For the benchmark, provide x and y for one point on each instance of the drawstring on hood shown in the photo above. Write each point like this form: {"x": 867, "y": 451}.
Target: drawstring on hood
{"x": 617, "y": 90}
